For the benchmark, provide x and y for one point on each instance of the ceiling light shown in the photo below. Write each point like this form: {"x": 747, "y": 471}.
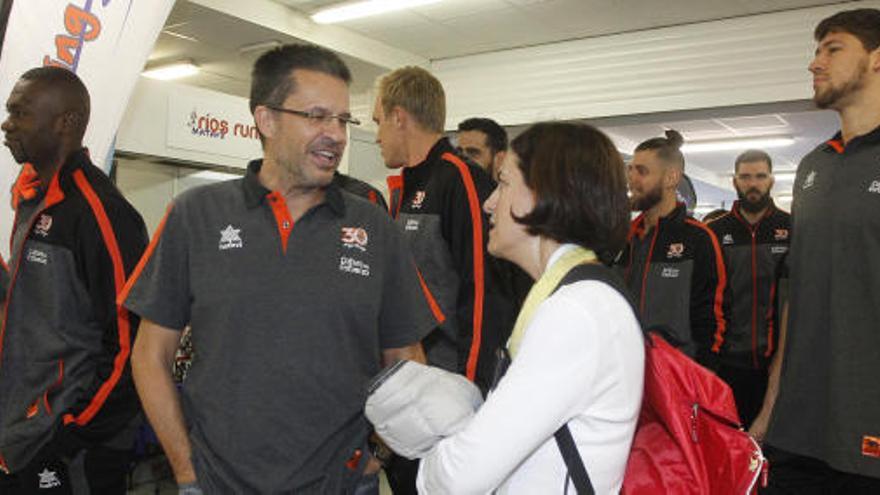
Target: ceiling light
{"x": 171, "y": 71}
{"x": 738, "y": 144}
{"x": 784, "y": 175}
{"x": 364, "y": 8}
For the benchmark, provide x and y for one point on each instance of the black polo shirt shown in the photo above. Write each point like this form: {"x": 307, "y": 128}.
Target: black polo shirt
{"x": 829, "y": 398}
{"x": 288, "y": 322}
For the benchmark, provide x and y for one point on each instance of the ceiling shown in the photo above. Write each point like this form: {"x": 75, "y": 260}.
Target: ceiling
{"x": 452, "y": 28}
{"x": 225, "y": 47}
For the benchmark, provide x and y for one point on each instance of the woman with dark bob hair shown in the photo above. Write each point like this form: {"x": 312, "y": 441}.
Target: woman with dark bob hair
{"x": 577, "y": 352}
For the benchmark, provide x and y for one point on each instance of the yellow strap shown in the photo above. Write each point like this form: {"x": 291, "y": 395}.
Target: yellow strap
{"x": 542, "y": 290}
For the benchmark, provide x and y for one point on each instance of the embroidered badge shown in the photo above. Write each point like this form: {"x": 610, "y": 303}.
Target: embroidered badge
{"x": 44, "y": 223}
{"x": 418, "y": 200}
{"x": 780, "y": 234}
{"x": 230, "y": 238}
{"x": 355, "y": 238}
{"x": 871, "y": 446}
{"x": 675, "y": 250}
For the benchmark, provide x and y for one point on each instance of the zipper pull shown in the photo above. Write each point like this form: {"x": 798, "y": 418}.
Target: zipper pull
{"x": 694, "y": 411}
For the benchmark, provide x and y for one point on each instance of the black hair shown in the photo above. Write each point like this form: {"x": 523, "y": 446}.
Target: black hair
{"x": 667, "y": 148}
{"x": 864, "y": 24}
{"x": 753, "y": 156}
{"x": 73, "y": 92}
{"x": 496, "y": 136}
{"x": 577, "y": 176}
{"x": 271, "y": 79}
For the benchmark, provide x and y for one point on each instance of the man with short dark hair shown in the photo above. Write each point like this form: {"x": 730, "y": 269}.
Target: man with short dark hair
{"x": 672, "y": 263}
{"x": 68, "y": 409}
{"x": 297, "y": 294}
{"x": 754, "y": 238}
{"x": 484, "y": 141}
{"x": 825, "y": 423}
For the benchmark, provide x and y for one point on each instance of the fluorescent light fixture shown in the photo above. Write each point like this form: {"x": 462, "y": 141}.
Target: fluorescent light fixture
{"x": 171, "y": 71}
{"x": 738, "y": 144}
{"x": 356, "y": 10}
{"x": 213, "y": 175}
{"x": 784, "y": 175}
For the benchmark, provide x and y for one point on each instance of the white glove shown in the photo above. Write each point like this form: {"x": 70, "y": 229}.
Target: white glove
{"x": 412, "y": 406}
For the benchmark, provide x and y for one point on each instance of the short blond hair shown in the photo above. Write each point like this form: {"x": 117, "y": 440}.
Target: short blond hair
{"x": 418, "y": 92}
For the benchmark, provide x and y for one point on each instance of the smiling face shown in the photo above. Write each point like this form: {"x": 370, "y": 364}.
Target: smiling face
{"x": 840, "y": 70}
{"x": 508, "y": 238}
{"x": 310, "y": 149}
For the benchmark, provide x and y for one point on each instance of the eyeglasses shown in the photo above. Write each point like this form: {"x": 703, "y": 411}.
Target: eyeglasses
{"x": 320, "y": 117}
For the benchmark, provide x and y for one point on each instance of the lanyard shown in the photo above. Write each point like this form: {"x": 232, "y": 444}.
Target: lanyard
{"x": 543, "y": 288}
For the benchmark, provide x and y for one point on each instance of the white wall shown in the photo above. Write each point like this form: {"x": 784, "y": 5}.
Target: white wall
{"x": 746, "y": 60}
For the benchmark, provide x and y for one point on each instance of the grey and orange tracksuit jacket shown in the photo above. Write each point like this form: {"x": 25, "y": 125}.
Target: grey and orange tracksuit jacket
{"x": 439, "y": 205}
{"x": 754, "y": 256}
{"x": 676, "y": 274}
{"x": 65, "y": 379}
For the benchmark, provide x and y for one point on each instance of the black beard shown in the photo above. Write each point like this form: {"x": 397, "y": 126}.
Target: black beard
{"x": 830, "y": 98}
{"x": 753, "y": 206}
{"x": 648, "y": 201}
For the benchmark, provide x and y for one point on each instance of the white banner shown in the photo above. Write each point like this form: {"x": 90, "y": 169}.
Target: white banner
{"x": 219, "y": 124}
{"x": 105, "y": 42}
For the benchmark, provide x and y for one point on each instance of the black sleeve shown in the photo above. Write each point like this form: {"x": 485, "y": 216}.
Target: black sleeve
{"x": 465, "y": 229}
{"x": 110, "y": 242}
{"x": 709, "y": 305}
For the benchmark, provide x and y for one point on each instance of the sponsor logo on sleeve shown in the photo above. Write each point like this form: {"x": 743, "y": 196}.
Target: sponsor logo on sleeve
{"x": 230, "y": 238}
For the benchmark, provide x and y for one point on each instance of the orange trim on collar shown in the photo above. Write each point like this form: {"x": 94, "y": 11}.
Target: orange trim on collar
{"x": 283, "y": 220}
{"x": 836, "y": 144}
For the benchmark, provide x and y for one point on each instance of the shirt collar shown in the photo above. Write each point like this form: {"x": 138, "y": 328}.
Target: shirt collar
{"x": 255, "y": 193}
{"x": 836, "y": 142}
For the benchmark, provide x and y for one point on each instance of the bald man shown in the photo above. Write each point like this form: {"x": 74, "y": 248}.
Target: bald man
{"x": 68, "y": 409}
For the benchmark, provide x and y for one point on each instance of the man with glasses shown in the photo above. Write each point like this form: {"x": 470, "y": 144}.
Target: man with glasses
{"x": 297, "y": 293}
{"x": 754, "y": 238}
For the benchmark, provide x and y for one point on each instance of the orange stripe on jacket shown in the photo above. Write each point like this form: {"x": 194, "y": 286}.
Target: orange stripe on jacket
{"x": 479, "y": 281}
{"x": 123, "y": 325}
{"x": 435, "y": 308}
{"x": 721, "y": 324}
{"x": 132, "y": 279}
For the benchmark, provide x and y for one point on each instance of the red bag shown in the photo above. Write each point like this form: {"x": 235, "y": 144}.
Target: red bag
{"x": 689, "y": 439}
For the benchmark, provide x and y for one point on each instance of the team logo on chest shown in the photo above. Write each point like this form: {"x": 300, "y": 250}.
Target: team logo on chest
{"x": 230, "y": 238}
{"x": 44, "y": 223}
{"x": 48, "y": 479}
{"x": 874, "y": 187}
{"x": 810, "y": 180}
{"x": 676, "y": 250}
{"x": 780, "y": 234}
{"x": 418, "y": 200}
{"x": 727, "y": 239}
{"x": 355, "y": 238}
